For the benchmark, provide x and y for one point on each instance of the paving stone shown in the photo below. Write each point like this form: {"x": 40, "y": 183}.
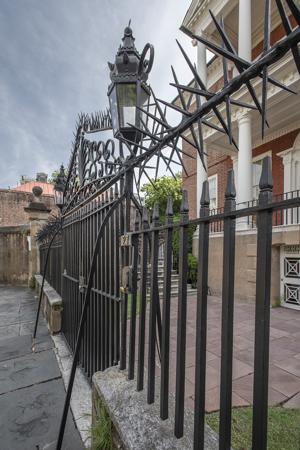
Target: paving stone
{"x": 294, "y": 402}
{"x": 243, "y": 387}
{"x": 28, "y": 370}
{"x": 212, "y": 400}
{"x": 283, "y": 381}
{"x": 7, "y": 331}
{"x": 29, "y": 417}
{"x": 291, "y": 365}
{"x": 15, "y": 347}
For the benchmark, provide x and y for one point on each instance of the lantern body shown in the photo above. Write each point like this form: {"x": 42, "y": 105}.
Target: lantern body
{"x": 125, "y": 100}
{"x": 58, "y": 198}
{"x": 128, "y": 92}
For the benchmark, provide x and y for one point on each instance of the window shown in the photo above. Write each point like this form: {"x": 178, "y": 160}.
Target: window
{"x": 213, "y": 191}
{"x": 256, "y": 173}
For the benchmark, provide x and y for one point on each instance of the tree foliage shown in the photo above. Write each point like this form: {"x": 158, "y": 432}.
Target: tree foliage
{"x": 160, "y": 190}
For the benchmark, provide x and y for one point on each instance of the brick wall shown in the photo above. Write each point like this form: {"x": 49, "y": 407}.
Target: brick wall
{"x": 12, "y": 205}
{"x": 219, "y": 164}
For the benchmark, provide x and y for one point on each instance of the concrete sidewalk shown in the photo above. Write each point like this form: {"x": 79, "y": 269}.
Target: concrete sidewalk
{"x": 31, "y": 388}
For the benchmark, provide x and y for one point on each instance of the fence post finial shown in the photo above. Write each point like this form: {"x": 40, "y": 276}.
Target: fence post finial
{"x": 169, "y": 209}
{"x": 266, "y": 179}
{"x": 145, "y": 216}
{"x": 184, "y": 207}
{"x": 155, "y": 214}
{"x": 230, "y": 192}
{"x": 204, "y": 201}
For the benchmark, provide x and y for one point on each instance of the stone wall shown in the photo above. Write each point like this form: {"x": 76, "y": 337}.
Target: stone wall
{"x": 12, "y": 204}
{"x": 14, "y": 254}
{"x": 245, "y": 261}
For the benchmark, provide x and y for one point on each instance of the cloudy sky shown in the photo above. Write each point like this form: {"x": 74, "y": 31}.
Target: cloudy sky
{"x": 53, "y": 64}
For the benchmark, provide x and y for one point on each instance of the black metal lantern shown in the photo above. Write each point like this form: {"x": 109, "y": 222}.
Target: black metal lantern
{"x": 128, "y": 91}
{"x": 59, "y": 188}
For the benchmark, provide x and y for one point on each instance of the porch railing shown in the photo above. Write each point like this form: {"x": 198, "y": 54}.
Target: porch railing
{"x": 288, "y": 216}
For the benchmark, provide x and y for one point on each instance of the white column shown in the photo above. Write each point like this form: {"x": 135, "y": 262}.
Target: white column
{"x": 244, "y": 178}
{"x": 244, "y": 164}
{"x": 245, "y": 43}
{"x": 201, "y": 172}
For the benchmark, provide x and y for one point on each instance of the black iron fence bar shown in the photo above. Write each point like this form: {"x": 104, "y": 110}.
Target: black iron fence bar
{"x": 154, "y": 299}
{"x": 133, "y": 305}
{"x": 112, "y": 285}
{"x": 68, "y": 221}
{"x": 227, "y": 318}
{"x": 201, "y": 322}
{"x": 117, "y": 281}
{"x": 165, "y": 345}
{"x": 107, "y": 287}
{"x": 102, "y": 288}
{"x": 143, "y": 300}
{"x": 262, "y": 311}
{"x": 82, "y": 321}
{"x": 275, "y": 53}
{"x": 128, "y": 188}
{"x": 181, "y": 319}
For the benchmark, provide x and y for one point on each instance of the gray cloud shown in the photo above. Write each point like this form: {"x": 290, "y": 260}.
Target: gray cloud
{"x": 53, "y": 64}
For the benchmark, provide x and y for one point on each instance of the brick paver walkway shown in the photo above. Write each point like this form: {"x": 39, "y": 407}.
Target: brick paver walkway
{"x": 284, "y": 379}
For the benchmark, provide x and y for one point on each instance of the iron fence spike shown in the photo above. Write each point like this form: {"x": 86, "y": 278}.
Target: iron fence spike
{"x": 266, "y": 179}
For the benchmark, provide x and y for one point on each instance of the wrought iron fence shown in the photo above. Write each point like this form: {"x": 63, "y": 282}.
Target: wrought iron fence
{"x": 128, "y": 320}
{"x": 54, "y": 268}
{"x": 100, "y": 346}
{"x": 101, "y": 289}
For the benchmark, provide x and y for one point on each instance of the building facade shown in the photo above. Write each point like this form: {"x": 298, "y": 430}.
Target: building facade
{"x": 244, "y": 22}
{"x": 19, "y": 258}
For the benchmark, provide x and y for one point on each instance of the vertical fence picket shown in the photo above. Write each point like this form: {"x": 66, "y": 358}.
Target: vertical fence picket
{"x": 201, "y": 321}
{"x": 181, "y": 321}
{"x": 106, "y": 275}
{"x": 227, "y": 316}
{"x": 153, "y": 304}
{"x": 111, "y": 283}
{"x": 135, "y": 248}
{"x": 117, "y": 281}
{"x": 143, "y": 301}
{"x": 102, "y": 288}
{"x": 262, "y": 310}
{"x": 165, "y": 348}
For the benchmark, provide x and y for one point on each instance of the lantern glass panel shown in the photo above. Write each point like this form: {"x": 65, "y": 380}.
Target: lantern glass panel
{"x": 127, "y": 104}
{"x": 58, "y": 198}
{"x": 114, "y": 109}
{"x": 144, "y": 98}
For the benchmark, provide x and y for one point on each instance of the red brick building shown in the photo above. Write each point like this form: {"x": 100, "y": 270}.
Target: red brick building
{"x": 243, "y": 21}
{"x": 13, "y": 201}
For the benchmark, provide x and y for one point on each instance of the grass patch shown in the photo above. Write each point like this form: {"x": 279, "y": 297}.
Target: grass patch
{"x": 102, "y": 429}
{"x": 283, "y": 428}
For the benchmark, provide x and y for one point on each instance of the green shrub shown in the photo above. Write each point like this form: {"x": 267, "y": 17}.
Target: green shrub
{"x": 192, "y": 269}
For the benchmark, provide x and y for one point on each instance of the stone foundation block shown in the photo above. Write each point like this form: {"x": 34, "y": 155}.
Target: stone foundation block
{"x": 51, "y": 305}
{"x": 137, "y": 425}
